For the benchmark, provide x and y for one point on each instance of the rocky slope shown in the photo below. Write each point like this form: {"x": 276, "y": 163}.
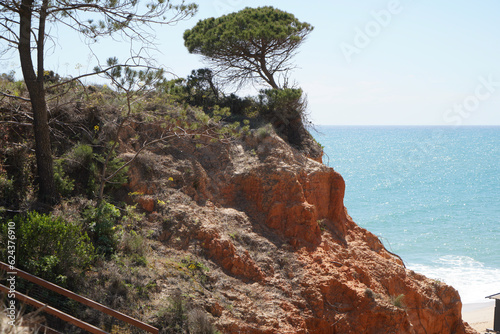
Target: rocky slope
{"x": 268, "y": 246}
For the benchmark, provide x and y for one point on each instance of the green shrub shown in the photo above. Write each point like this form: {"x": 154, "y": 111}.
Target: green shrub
{"x": 265, "y": 131}
{"x": 133, "y": 243}
{"x": 8, "y": 83}
{"x": 139, "y": 260}
{"x": 6, "y": 190}
{"x": 173, "y": 318}
{"x": 8, "y": 77}
{"x": 51, "y": 76}
{"x": 100, "y": 223}
{"x": 398, "y": 301}
{"x": 18, "y": 178}
{"x": 84, "y": 166}
{"x": 81, "y": 155}
{"x": 64, "y": 183}
{"x": 285, "y": 109}
{"x": 285, "y": 103}
{"x": 49, "y": 247}
{"x": 114, "y": 164}
{"x": 79, "y": 165}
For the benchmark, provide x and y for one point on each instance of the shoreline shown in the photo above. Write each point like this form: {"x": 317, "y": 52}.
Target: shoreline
{"x": 479, "y": 315}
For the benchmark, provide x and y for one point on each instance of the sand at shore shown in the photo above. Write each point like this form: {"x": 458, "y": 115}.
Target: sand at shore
{"x": 479, "y": 316}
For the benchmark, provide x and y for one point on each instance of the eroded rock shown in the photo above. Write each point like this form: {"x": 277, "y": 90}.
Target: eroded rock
{"x": 274, "y": 229}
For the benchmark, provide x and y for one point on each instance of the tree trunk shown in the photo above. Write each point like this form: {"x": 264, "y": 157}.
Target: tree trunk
{"x": 47, "y": 192}
{"x": 268, "y": 76}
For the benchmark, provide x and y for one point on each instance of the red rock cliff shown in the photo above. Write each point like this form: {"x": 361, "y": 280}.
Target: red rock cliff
{"x": 285, "y": 255}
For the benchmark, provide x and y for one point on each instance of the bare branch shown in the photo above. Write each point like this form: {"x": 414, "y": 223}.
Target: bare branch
{"x": 83, "y": 76}
{"x": 15, "y": 97}
{"x": 145, "y": 145}
{"x": 16, "y": 123}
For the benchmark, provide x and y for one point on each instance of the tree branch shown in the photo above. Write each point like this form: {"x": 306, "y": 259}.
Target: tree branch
{"x": 15, "y": 97}
{"x": 16, "y": 123}
{"x": 83, "y": 76}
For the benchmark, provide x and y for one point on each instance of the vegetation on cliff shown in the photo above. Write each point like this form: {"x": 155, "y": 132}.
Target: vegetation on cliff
{"x": 218, "y": 225}
{"x": 99, "y": 134}
{"x": 198, "y": 211}
{"x": 254, "y": 44}
{"x": 25, "y": 27}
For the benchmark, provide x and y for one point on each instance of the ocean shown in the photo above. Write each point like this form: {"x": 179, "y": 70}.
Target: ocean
{"x": 432, "y": 195}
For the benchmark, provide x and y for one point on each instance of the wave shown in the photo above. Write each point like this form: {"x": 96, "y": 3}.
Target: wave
{"x": 473, "y": 279}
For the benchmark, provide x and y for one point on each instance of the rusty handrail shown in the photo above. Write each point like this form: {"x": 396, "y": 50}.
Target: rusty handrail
{"x": 78, "y": 298}
{"x": 46, "y": 308}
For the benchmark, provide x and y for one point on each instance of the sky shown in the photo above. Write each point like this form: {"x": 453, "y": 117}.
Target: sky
{"x": 388, "y": 62}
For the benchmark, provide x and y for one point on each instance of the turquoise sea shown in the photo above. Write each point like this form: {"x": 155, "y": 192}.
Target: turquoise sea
{"x": 432, "y": 194}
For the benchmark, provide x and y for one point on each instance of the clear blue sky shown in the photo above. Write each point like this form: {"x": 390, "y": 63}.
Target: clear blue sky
{"x": 396, "y": 62}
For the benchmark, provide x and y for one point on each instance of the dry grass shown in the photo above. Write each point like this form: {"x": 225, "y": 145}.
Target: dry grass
{"x": 24, "y": 323}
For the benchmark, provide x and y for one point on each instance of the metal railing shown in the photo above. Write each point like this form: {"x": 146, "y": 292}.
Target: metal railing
{"x": 71, "y": 295}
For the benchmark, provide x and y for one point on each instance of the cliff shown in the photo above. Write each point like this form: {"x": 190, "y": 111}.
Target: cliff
{"x": 257, "y": 235}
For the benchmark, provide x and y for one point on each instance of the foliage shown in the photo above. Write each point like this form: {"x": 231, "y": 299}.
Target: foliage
{"x": 81, "y": 155}
{"x": 264, "y": 131}
{"x": 100, "y": 224}
{"x": 173, "y": 318}
{"x": 280, "y": 107}
{"x": 134, "y": 84}
{"x": 65, "y": 185}
{"x": 127, "y": 79}
{"x": 254, "y": 43}
{"x": 285, "y": 110}
{"x": 115, "y": 167}
{"x": 212, "y": 124}
{"x": 174, "y": 91}
{"x": 283, "y": 103}
{"x": 94, "y": 19}
{"x": 79, "y": 164}
{"x": 79, "y": 170}
{"x": 202, "y": 89}
{"x": 14, "y": 88}
{"x": 134, "y": 245}
{"x": 9, "y": 77}
{"x": 49, "y": 247}
{"x": 22, "y": 22}
{"x": 51, "y": 77}
{"x": 131, "y": 216}
{"x": 398, "y": 301}
{"x": 6, "y": 190}
{"x": 195, "y": 265}
{"x": 16, "y": 178}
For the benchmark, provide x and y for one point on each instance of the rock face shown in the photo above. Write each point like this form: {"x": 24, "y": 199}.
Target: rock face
{"x": 284, "y": 255}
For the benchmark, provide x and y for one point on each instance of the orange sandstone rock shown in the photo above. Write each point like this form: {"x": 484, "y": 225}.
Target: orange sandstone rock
{"x": 298, "y": 263}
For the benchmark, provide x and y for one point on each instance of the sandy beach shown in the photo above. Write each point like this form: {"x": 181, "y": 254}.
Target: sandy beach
{"x": 479, "y": 316}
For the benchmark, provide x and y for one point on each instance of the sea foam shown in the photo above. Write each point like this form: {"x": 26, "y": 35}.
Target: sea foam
{"x": 473, "y": 280}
